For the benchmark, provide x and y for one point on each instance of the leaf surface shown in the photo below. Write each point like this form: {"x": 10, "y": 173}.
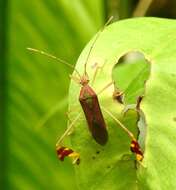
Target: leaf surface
{"x": 114, "y": 167}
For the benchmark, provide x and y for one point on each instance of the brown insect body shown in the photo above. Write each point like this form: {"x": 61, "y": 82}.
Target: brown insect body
{"x": 96, "y": 123}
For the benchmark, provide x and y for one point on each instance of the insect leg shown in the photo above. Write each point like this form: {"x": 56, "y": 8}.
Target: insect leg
{"x": 95, "y": 74}
{"x": 63, "y": 152}
{"x": 74, "y": 108}
{"x": 67, "y": 113}
{"x": 134, "y": 146}
{"x": 105, "y": 87}
{"x": 70, "y": 127}
{"x": 130, "y": 134}
{"x": 97, "y": 68}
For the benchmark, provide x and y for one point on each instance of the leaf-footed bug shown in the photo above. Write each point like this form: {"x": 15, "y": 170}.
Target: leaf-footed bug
{"x": 90, "y": 105}
{"x": 88, "y": 99}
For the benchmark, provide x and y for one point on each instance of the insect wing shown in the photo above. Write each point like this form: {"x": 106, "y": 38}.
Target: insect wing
{"x": 93, "y": 114}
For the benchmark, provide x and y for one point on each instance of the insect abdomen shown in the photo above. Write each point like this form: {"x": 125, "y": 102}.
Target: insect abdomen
{"x": 93, "y": 114}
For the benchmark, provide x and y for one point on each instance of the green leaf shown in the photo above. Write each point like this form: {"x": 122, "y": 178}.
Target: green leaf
{"x": 114, "y": 166}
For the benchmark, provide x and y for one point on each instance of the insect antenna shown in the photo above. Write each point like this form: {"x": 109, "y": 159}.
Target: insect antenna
{"x": 96, "y": 38}
{"x": 53, "y": 57}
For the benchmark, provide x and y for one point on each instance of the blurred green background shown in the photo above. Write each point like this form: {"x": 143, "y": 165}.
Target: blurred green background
{"x": 34, "y": 88}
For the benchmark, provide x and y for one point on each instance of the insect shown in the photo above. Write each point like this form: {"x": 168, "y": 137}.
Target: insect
{"x": 87, "y": 98}
{"x": 92, "y": 111}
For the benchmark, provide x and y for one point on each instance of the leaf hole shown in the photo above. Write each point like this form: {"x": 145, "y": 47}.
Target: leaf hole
{"x": 130, "y": 74}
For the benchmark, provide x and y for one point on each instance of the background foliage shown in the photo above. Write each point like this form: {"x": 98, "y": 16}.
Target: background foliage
{"x": 36, "y": 85}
